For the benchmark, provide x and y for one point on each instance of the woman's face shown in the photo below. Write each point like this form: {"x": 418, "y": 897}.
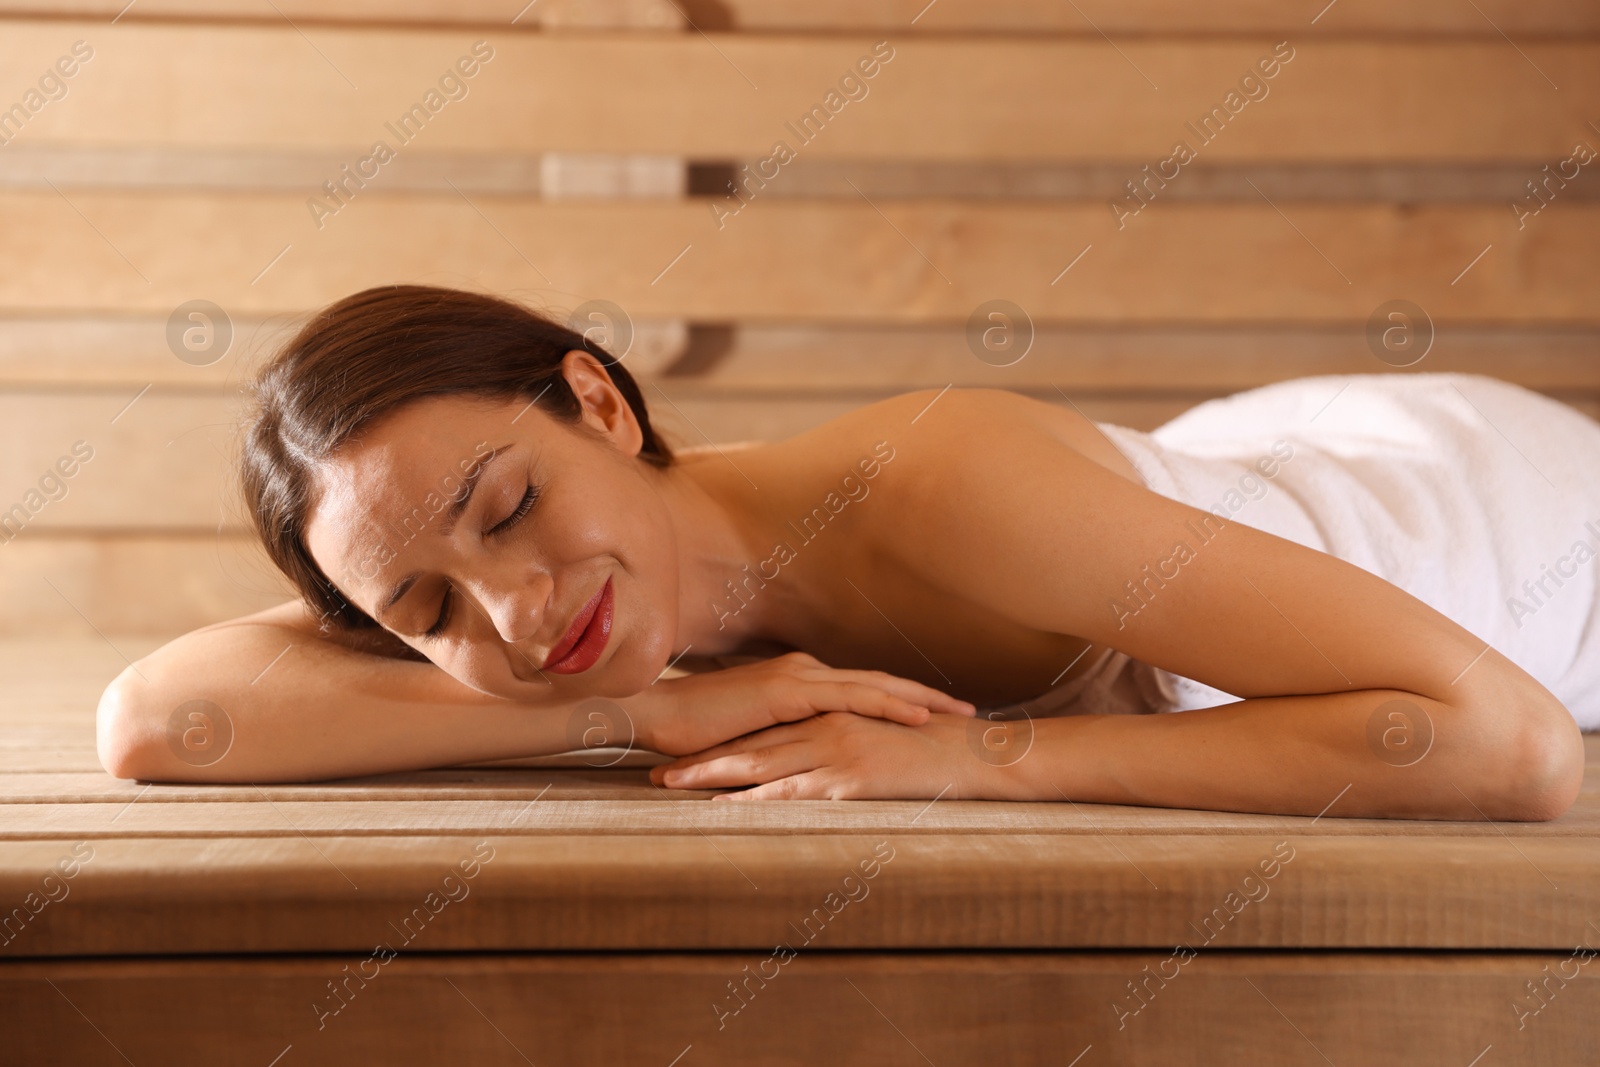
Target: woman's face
{"x": 479, "y": 530}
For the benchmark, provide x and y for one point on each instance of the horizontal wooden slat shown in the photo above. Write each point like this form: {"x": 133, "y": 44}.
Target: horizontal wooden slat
{"x": 786, "y": 260}
{"x": 634, "y": 809}
{"x": 163, "y": 463}
{"x": 1159, "y": 17}
{"x": 167, "y": 462}
{"x": 166, "y": 465}
{"x": 576, "y": 780}
{"x": 729, "y": 96}
{"x": 648, "y": 15}
{"x": 128, "y": 351}
{"x": 72, "y": 166}
{"x": 162, "y": 584}
{"x": 852, "y": 179}
{"x": 1166, "y": 17}
{"x": 798, "y": 358}
{"x": 736, "y": 890}
{"x": 86, "y": 350}
{"x": 1021, "y": 1009}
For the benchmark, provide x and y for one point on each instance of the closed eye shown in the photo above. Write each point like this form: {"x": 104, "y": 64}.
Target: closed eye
{"x": 444, "y": 617}
{"x": 528, "y": 500}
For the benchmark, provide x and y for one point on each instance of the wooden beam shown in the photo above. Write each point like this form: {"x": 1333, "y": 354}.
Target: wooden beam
{"x": 907, "y": 262}
{"x": 1028, "y": 1009}
{"x": 729, "y": 96}
{"x": 163, "y": 583}
{"x": 632, "y": 808}
{"x": 967, "y": 889}
{"x": 167, "y": 466}
{"x": 67, "y": 352}
{"x": 1031, "y": 17}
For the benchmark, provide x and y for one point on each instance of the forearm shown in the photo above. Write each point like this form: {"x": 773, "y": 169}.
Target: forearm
{"x": 1372, "y": 753}
{"x": 300, "y": 709}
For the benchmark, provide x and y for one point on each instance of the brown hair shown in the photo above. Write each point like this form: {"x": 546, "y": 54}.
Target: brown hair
{"x": 367, "y": 355}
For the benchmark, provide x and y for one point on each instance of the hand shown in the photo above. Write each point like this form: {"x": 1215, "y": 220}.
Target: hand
{"x": 701, "y": 710}
{"x": 843, "y": 757}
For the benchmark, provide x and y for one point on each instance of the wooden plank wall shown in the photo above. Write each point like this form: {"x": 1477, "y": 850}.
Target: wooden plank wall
{"x": 1430, "y": 152}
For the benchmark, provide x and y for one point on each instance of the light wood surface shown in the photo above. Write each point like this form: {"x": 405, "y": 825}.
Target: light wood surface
{"x": 207, "y": 921}
{"x": 158, "y": 581}
{"x": 590, "y": 858}
{"x": 178, "y": 165}
{"x": 266, "y": 85}
{"x": 909, "y": 262}
{"x": 169, "y": 464}
{"x": 1027, "y": 1009}
{"x": 1084, "y": 18}
{"x": 45, "y": 357}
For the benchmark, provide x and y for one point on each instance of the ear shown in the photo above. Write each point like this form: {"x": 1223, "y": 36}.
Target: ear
{"x": 605, "y": 409}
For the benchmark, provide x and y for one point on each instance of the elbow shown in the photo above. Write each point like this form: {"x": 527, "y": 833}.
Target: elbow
{"x": 1541, "y": 767}
{"x": 1552, "y": 771}
{"x": 117, "y": 730}
{"x": 127, "y": 736}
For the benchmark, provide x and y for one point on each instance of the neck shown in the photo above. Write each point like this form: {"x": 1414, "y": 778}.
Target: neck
{"x": 721, "y": 533}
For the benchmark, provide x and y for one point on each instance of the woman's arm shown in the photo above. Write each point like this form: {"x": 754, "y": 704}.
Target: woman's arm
{"x": 268, "y": 698}
{"x": 296, "y": 705}
{"x": 1481, "y": 757}
{"x": 1322, "y": 650}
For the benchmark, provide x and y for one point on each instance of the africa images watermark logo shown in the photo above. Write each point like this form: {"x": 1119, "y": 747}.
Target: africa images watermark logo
{"x": 851, "y": 489}
{"x": 1251, "y": 486}
{"x": 1537, "y": 592}
{"x": 1143, "y": 189}
{"x": 852, "y": 86}
{"x": 342, "y": 188}
{"x": 853, "y": 888}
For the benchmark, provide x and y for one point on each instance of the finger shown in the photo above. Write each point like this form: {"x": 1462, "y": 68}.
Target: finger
{"x": 807, "y": 786}
{"x": 927, "y": 696}
{"x": 878, "y": 703}
{"x": 828, "y": 694}
{"x": 909, "y": 690}
{"x": 772, "y": 735}
{"x": 756, "y": 767}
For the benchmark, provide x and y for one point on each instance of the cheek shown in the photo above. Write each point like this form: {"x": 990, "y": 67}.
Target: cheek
{"x": 480, "y": 665}
{"x": 645, "y": 542}
{"x": 608, "y": 516}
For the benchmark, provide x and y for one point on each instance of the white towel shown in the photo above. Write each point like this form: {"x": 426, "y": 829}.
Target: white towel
{"x": 1478, "y": 497}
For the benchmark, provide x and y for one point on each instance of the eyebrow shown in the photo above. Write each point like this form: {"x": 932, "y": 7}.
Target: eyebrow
{"x": 452, "y": 515}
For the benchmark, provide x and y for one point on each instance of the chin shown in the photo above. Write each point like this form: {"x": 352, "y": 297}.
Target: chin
{"x": 630, "y": 666}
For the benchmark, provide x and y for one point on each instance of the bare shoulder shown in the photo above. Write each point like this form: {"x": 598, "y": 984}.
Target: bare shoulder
{"x": 950, "y": 430}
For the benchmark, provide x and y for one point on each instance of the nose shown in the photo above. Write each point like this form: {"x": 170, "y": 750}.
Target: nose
{"x": 517, "y": 608}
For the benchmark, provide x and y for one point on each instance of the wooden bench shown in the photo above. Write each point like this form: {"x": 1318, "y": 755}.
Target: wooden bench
{"x": 603, "y": 920}
{"x": 1421, "y": 153}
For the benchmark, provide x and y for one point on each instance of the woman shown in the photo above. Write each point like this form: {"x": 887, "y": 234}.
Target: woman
{"x": 487, "y": 534}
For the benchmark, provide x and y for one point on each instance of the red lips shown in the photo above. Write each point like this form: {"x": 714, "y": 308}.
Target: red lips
{"x": 586, "y": 638}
